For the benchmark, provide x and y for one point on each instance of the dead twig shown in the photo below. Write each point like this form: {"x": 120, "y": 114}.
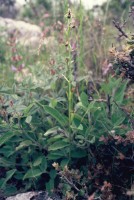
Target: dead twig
{"x": 120, "y": 28}
{"x": 71, "y": 183}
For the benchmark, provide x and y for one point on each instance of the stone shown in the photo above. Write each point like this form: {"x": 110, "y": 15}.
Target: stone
{"x": 34, "y": 196}
{"x": 26, "y": 34}
{"x": 23, "y": 196}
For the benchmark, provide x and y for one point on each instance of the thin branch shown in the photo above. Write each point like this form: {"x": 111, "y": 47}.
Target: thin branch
{"x": 119, "y": 27}
{"x": 69, "y": 182}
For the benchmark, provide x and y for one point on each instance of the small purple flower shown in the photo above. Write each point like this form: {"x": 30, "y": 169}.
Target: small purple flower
{"x": 17, "y": 69}
{"x": 13, "y": 68}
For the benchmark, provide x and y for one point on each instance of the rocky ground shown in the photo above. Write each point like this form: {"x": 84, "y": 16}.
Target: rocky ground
{"x": 31, "y": 196}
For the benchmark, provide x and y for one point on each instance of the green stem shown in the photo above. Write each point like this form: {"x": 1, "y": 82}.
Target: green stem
{"x": 69, "y": 75}
{"x": 69, "y": 114}
{"x": 69, "y": 107}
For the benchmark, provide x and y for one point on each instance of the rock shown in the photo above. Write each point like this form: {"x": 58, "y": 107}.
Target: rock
{"x": 131, "y": 191}
{"x": 25, "y": 33}
{"x": 34, "y": 196}
{"x": 45, "y": 196}
{"x": 23, "y": 196}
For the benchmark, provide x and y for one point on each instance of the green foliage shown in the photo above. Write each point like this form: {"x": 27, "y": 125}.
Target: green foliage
{"x": 117, "y": 8}
{"x": 53, "y": 126}
{"x": 46, "y": 4}
{"x": 37, "y": 134}
{"x": 2, "y": 51}
{"x": 36, "y": 8}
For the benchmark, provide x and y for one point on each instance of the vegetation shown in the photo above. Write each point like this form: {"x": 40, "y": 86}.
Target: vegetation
{"x": 67, "y": 124}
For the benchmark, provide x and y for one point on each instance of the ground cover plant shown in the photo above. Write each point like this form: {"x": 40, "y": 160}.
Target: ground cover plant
{"x": 64, "y": 131}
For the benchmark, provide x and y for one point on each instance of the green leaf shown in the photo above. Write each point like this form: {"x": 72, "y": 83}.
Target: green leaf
{"x": 53, "y": 103}
{"x": 80, "y": 127}
{"x": 27, "y": 110}
{"x": 9, "y": 175}
{"x": 38, "y": 161}
{"x": 64, "y": 163}
{"x": 80, "y": 137}
{"x": 52, "y": 130}
{"x": 84, "y": 99}
{"x": 50, "y": 185}
{"x": 5, "y": 162}
{"x": 119, "y": 121}
{"x": 78, "y": 153}
{"x": 10, "y": 190}
{"x": 19, "y": 175}
{"x": 53, "y": 173}
{"x": 43, "y": 165}
{"x": 119, "y": 95}
{"x": 28, "y": 119}
{"x": 20, "y": 108}
{"x": 92, "y": 141}
{"x": 6, "y": 137}
{"x": 54, "y": 139}
{"x": 54, "y": 155}
{"x": 24, "y": 144}
{"x": 32, "y": 173}
{"x": 61, "y": 118}
{"x": 111, "y": 85}
{"x": 7, "y": 151}
{"x": 58, "y": 145}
